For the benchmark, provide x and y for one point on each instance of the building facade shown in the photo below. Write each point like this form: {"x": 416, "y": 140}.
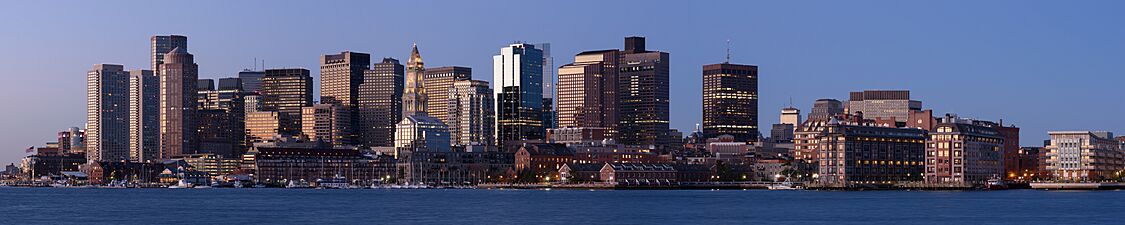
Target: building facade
{"x": 287, "y": 91}
{"x": 858, "y": 154}
{"x": 826, "y": 108}
{"x": 730, "y": 101}
{"x": 107, "y": 113}
{"x": 144, "y": 115}
{"x": 161, "y": 45}
{"x": 1083, "y": 156}
{"x": 587, "y": 92}
{"x": 965, "y": 152}
{"x": 471, "y": 110}
{"x": 438, "y": 83}
{"x": 327, "y": 123}
{"x": 419, "y": 133}
{"x": 251, "y": 80}
{"x": 380, "y": 102}
{"x": 178, "y": 76}
{"x": 643, "y": 92}
{"x": 517, "y": 85}
{"x": 882, "y": 104}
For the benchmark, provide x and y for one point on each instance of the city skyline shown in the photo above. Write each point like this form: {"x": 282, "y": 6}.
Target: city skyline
{"x": 785, "y": 74}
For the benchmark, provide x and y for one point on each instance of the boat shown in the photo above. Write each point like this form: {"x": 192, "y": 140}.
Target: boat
{"x": 995, "y": 184}
{"x": 180, "y": 184}
{"x": 785, "y": 186}
{"x": 298, "y": 184}
{"x": 336, "y": 182}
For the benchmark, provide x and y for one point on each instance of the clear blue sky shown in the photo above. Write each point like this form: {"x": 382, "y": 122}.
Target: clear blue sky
{"x": 1040, "y": 65}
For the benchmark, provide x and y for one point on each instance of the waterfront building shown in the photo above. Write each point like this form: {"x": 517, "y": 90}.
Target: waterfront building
{"x": 380, "y": 102}
{"x": 540, "y": 162}
{"x": 471, "y": 114}
{"x": 643, "y": 93}
{"x": 107, "y": 113}
{"x": 327, "y": 123}
{"x": 587, "y": 92}
{"x": 251, "y": 80}
{"x": 826, "y": 108}
{"x": 438, "y": 84}
{"x": 963, "y": 151}
{"x": 277, "y": 166}
{"x": 893, "y": 105}
{"x": 1028, "y": 164}
{"x": 1083, "y": 156}
{"x": 1012, "y": 156}
{"x": 139, "y": 172}
{"x": 857, "y": 153}
{"x": 39, "y": 165}
{"x": 517, "y": 80}
{"x": 178, "y": 105}
{"x": 454, "y": 168}
{"x": 287, "y": 91}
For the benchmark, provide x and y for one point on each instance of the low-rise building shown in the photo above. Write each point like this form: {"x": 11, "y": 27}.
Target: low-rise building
{"x": 1084, "y": 156}
{"x": 279, "y": 165}
{"x": 857, "y": 154}
{"x": 540, "y": 162}
{"x": 965, "y": 152}
{"x": 213, "y": 164}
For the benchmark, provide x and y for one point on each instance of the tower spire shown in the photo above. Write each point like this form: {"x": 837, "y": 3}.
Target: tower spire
{"x": 728, "y": 51}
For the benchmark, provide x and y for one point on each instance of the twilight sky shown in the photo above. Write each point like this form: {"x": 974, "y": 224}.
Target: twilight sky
{"x": 1040, "y": 65}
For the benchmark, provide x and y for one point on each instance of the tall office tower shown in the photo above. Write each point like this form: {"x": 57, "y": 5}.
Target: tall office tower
{"x": 222, "y": 116}
{"x": 1083, "y": 156}
{"x": 251, "y": 80}
{"x": 643, "y": 94}
{"x": 327, "y": 123}
{"x": 550, "y": 112}
{"x": 414, "y": 93}
{"x": 438, "y": 83}
{"x": 518, "y": 76}
{"x": 230, "y": 83}
{"x": 73, "y": 140}
{"x": 205, "y": 85}
{"x": 178, "y": 74}
{"x": 471, "y": 110}
{"x": 882, "y": 104}
{"x": 730, "y": 101}
{"x": 286, "y": 91}
{"x": 826, "y": 108}
{"x": 340, "y": 76}
{"x": 161, "y": 45}
{"x": 380, "y": 103}
{"x": 965, "y": 152}
{"x": 144, "y": 116}
{"x": 587, "y": 92}
{"x": 107, "y": 113}
{"x": 791, "y": 116}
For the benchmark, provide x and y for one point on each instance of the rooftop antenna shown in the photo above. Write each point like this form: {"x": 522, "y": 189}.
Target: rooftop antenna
{"x": 255, "y": 63}
{"x": 728, "y": 51}
{"x": 790, "y": 102}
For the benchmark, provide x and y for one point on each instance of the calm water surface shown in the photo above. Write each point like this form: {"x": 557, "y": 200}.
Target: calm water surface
{"x": 285, "y": 206}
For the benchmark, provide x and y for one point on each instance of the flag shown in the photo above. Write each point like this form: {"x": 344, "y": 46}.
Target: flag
{"x": 30, "y": 149}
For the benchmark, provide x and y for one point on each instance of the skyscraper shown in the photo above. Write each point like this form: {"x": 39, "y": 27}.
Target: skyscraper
{"x": 222, "y": 116}
{"x": 730, "y": 101}
{"x": 107, "y": 113}
{"x": 286, "y": 91}
{"x": 144, "y": 115}
{"x": 380, "y": 102}
{"x": 791, "y": 116}
{"x": 517, "y": 79}
{"x": 161, "y": 45}
{"x": 414, "y": 93}
{"x": 471, "y": 110}
{"x": 550, "y": 110}
{"x": 178, "y": 75}
{"x": 643, "y": 94}
{"x": 251, "y": 80}
{"x": 340, "y": 76}
{"x": 438, "y": 83}
{"x": 587, "y": 92}
{"x": 826, "y": 108}
{"x": 883, "y": 104}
